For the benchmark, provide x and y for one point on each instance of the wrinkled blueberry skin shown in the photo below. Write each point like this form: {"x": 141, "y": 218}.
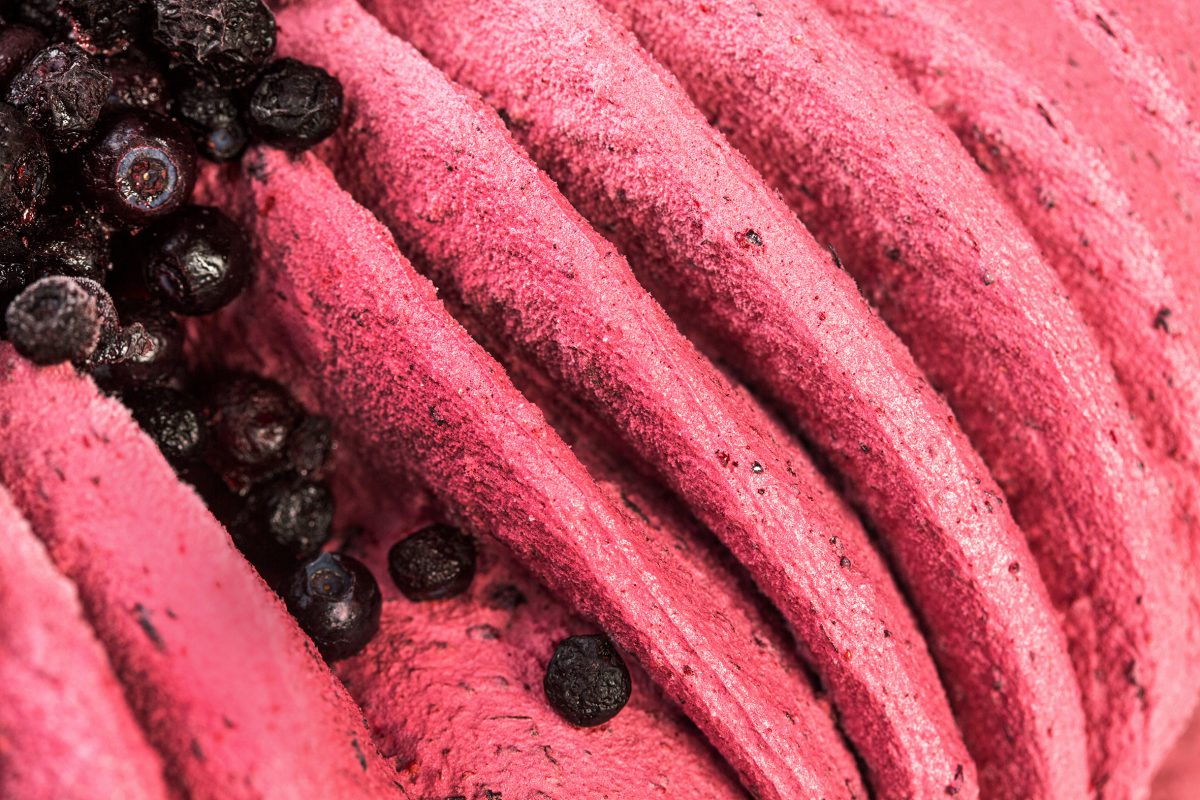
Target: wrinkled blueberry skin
{"x": 24, "y": 171}
{"x": 222, "y": 42}
{"x": 197, "y": 261}
{"x": 73, "y": 242}
{"x": 294, "y": 515}
{"x": 295, "y": 105}
{"x": 103, "y": 27}
{"x": 587, "y": 682}
{"x": 434, "y": 563}
{"x": 140, "y": 168}
{"x": 61, "y": 92}
{"x": 137, "y": 85}
{"x": 336, "y": 600}
{"x": 252, "y": 420}
{"x": 173, "y": 419}
{"x": 53, "y": 320}
{"x": 154, "y": 352}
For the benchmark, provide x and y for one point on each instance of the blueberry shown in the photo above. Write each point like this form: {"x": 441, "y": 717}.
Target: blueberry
{"x": 223, "y": 42}
{"x": 295, "y": 105}
{"x": 586, "y": 681}
{"x": 137, "y": 84}
{"x": 196, "y": 261}
{"x": 212, "y": 114}
{"x": 103, "y": 27}
{"x": 72, "y": 242}
{"x": 18, "y": 45}
{"x": 140, "y": 168}
{"x": 154, "y": 350}
{"x": 174, "y": 420}
{"x": 434, "y": 563}
{"x": 53, "y": 320}
{"x": 24, "y": 170}
{"x": 336, "y": 601}
{"x": 310, "y": 444}
{"x": 61, "y": 92}
{"x": 294, "y": 515}
{"x": 252, "y": 419}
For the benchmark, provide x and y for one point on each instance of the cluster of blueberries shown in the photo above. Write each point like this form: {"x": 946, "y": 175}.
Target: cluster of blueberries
{"x": 105, "y": 108}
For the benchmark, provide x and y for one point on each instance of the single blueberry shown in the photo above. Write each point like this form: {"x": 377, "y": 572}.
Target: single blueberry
{"x": 223, "y": 42}
{"x": 587, "y": 681}
{"x": 295, "y": 105}
{"x": 53, "y": 320}
{"x": 173, "y": 419}
{"x": 61, "y": 92}
{"x": 336, "y": 601}
{"x": 196, "y": 261}
{"x": 434, "y": 563}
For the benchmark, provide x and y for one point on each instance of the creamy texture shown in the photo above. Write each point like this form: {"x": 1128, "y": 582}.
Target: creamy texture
{"x": 228, "y": 689}
{"x": 507, "y": 248}
{"x": 952, "y": 271}
{"x": 66, "y": 731}
{"x": 412, "y": 392}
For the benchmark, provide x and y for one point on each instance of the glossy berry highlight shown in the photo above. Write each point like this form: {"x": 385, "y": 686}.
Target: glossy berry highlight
{"x": 336, "y": 600}
{"x": 295, "y": 105}
{"x": 196, "y": 261}
{"x": 61, "y": 92}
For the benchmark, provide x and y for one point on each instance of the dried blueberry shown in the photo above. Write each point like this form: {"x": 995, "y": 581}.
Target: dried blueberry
{"x": 196, "y": 261}
{"x": 434, "y": 563}
{"x": 252, "y": 419}
{"x": 223, "y": 42}
{"x": 174, "y": 420}
{"x": 295, "y": 105}
{"x": 137, "y": 84}
{"x": 587, "y": 681}
{"x": 53, "y": 320}
{"x": 294, "y": 515}
{"x": 72, "y": 242}
{"x": 103, "y": 27}
{"x": 18, "y": 45}
{"x": 61, "y": 92}
{"x": 310, "y": 444}
{"x": 336, "y": 601}
{"x": 24, "y": 170}
{"x": 141, "y": 168}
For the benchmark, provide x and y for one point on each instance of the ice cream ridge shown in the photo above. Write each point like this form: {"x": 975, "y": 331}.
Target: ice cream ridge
{"x": 599, "y": 399}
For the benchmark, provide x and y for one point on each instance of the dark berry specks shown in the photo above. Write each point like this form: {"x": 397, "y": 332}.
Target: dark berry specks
{"x": 434, "y": 563}
{"x": 295, "y": 105}
{"x": 61, "y": 92}
{"x": 54, "y": 320}
{"x": 196, "y": 261}
{"x": 587, "y": 681}
{"x": 223, "y": 42}
{"x": 337, "y": 602}
{"x": 24, "y": 170}
{"x": 140, "y": 168}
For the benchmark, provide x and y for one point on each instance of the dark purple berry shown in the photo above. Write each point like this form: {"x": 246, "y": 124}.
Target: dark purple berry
{"x": 61, "y": 92}
{"x": 434, "y": 563}
{"x": 174, "y": 420}
{"x": 140, "y": 168}
{"x": 212, "y": 114}
{"x": 18, "y": 45}
{"x": 336, "y": 601}
{"x": 154, "y": 349}
{"x": 24, "y": 170}
{"x": 137, "y": 85}
{"x": 113, "y": 343}
{"x": 196, "y": 261}
{"x": 53, "y": 320}
{"x": 103, "y": 27}
{"x": 252, "y": 419}
{"x": 72, "y": 242}
{"x": 587, "y": 682}
{"x": 310, "y": 444}
{"x": 294, "y": 515}
{"x": 295, "y": 105}
{"x": 223, "y": 42}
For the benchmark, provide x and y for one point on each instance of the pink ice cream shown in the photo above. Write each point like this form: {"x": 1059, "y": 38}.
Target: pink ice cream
{"x": 66, "y": 731}
{"x": 226, "y": 686}
{"x": 413, "y": 393}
